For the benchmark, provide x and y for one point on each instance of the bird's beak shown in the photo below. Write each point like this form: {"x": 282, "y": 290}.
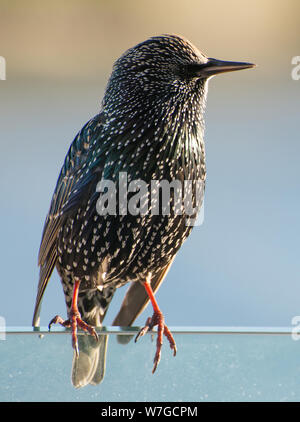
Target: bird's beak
{"x": 214, "y": 66}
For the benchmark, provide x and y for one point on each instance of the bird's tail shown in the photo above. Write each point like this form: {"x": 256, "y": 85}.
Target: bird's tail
{"x": 89, "y": 366}
{"x": 93, "y": 304}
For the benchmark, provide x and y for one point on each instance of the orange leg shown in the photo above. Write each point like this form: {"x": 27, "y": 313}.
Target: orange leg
{"x": 74, "y": 320}
{"x": 156, "y": 319}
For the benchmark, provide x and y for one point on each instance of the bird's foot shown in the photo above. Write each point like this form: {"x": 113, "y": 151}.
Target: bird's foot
{"x": 73, "y": 322}
{"x": 162, "y": 329}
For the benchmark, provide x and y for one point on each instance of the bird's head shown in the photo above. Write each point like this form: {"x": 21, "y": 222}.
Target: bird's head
{"x": 163, "y": 69}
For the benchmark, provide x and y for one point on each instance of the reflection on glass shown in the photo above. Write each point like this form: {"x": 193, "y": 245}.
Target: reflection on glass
{"x": 211, "y": 365}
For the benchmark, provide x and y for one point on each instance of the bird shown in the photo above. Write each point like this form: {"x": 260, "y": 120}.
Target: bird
{"x": 150, "y": 127}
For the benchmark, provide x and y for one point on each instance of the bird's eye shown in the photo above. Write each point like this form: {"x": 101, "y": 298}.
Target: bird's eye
{"x": 192, "y": 70}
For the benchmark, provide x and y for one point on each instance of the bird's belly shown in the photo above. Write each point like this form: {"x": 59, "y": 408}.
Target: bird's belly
{"x": 113, "y": 250}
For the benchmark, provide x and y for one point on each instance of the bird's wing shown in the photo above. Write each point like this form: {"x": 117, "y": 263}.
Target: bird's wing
{"x": 66, "y": 195}
{"x": 136, "y": 299}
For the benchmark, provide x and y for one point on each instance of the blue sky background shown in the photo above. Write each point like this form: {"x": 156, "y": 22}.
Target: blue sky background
{"x": 241, "y": 267}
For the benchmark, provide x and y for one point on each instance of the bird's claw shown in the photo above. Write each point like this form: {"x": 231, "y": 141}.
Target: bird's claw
{"x": 144, "y": 330}
{"x": 162, "y": 329}
{"x": 73, "y": 322}
{"x": 58, "y": 320}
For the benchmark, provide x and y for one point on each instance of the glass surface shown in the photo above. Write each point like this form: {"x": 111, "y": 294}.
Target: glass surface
{"x": 212, "y": 364}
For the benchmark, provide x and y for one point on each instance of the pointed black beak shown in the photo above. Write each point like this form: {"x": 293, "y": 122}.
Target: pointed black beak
{"x": 214, "y": 66}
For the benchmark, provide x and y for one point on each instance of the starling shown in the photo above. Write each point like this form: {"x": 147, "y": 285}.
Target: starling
{"x": 150, "y": 127}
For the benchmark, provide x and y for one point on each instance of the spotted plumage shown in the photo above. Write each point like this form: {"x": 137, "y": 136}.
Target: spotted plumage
{"x": 150, "y": 127}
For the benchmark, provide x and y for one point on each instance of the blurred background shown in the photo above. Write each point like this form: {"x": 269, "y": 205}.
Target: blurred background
{"x": 241, "y": 267}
